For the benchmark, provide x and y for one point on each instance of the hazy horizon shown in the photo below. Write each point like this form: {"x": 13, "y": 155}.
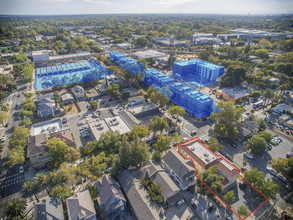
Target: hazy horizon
{"x": 84, "y": 7}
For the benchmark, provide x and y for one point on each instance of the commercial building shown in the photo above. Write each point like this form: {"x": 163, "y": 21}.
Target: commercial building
{"x": 246, "y": 34}
{"x": 235, "y": 94}
{"x": 198, "y": 71}
{"x": 191, "y": 100}
{"x": 203, "y": 158}
{"x": 126, "y": 63}
{"x": 147, "y": 54}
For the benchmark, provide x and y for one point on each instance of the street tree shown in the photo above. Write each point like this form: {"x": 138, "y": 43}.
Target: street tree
{"x": 233, "y": 76}
{"x": 4, "y": 116}
{"x": 67, "y": 173}
{"x": 16, "y": 156}
{"x": 214, "y": 145}
{"x": 176, "y": 110}
{"x": 57, "y": 149}
{"x": 72, "y": 154}
{"x": 255, "y": 94}
{"x": 257, "y": 144}
{"x": 229, "y": 197}
{"x": 266, "y": 135}
{"x": 113, "y": 91}
{"x": 243, "y": 211}
{"x": 42, "y": 182}
{"x": 15, "y": 209}
{"x": 226, "y": 120}
{"x": 158, "y": 123}
{"x": 283, "y": 166}
{"x": 24, "y": 113}
{"x": 28, "y": 189}
{"x": 94, "y": 104}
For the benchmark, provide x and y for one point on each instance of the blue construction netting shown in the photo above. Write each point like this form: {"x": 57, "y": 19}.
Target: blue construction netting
{"x": 196, "y": 73}
{"x": 126, "y": 63}
{"x": 52, "y": 76}
{"x": 191, "y": 100}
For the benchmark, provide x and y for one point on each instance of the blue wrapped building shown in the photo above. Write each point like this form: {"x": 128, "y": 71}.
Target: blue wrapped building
{"x": 126, "y": 63}
{"x": 52, "y": 76}
{"x": 191, "y": 100}
{"x": 196, "y": 73}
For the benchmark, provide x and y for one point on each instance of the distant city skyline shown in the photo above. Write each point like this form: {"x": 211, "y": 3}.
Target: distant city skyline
{"x": 70, "y": 7}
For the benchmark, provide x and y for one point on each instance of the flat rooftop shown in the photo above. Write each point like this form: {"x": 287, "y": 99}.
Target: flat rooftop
{"x": 235, "y": 92}
{"x": 142, "y": 108}
{"x": 202, "y": 152}
{"x": 47, "y": 127}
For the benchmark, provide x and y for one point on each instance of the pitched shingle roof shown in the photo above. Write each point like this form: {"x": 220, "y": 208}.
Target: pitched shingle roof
{"x": 182, "y": 168}
{"x": 108, "y": 190}
{"x": 50, "y": 209}
{"x": 37, "y": 145}
{"x": 80, "y": 206}
{"x": 64, "y": 135}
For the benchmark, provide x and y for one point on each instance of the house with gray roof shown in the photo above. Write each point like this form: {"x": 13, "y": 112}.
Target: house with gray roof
{"x": 182, "y": 171}
{"x": 67, "y": 98}
{"x": 81, "y": 207}
{"x": 111, "y": 198}
{"x": 78, "y": 92}
{"x": 45, "y": 107}
{"x": 136, "y": 100}
{"x": 141, "y": 204}
{"x": 50, "y": 208}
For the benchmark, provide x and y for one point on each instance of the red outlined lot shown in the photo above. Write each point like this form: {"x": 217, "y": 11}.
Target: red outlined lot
{"x": 219, "y": 155}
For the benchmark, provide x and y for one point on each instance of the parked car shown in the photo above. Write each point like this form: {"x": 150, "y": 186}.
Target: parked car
{"x": 21, "y": 169}
{"x": 193, "y": 133}
{"x": 248, "y": 155}
{"x": 64, "y": 120}
{"x": 271, "y": 171}
{"x": 277, "y": 125}
{"x": 192, "y": 203}
{"x": 179, "y": 119}
{"x": 164, "y": 109}
{"x": 282, "y": 178}
{"x": 180, "y": 202}
{"x": 3, "y": 138}
{"x": 281, "y": 127}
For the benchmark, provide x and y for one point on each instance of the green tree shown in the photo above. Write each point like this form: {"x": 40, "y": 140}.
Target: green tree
{"x": 262, "y": 53}
{"x": 93, "y": 167}
{"x": 57, "y": 149}
{"x": 15, "y": 209}
{"x": 94, "y": 104}
{"x": 24, "y": 113}
{"x": 125, "y": 95}
{"x": 113, "y": 91}
{"x": 229, "y": 197}
{"x": 176, "y": 110}
{"x": 226, "y": 120}
{"x": 214, "y": 145}
{"x": 266, "y": 135}
{"x": 255, "y": 94}
{"x": 19, "y": 137}
{"x": 42, "y": 182}
{"x": 28, "y": 95}
{"x": 283, "y": 166}
{"x": 141, "y": 42}
{"x": 243, "y": 211}
{"x": 257, "y": 144}
{"x": 16, "y": 156}
{"x": 163, "y": 143}
{"x": 268, "y": 94}
{"x": 60, "y": 191}
{"x": 158, "y": 123}
{"x": 27, "y": 72}
{"x": 28, "y": 189}
{"x": 233, "y": 76}
{"x": 204, "y": 55}
{"x": 4, "y": 116}
{"x": 67, "y": 173}
{"x": 144, "y": 62}
{"x": 72, "y": 154}
{"x": 212, "y": 179}
{"x": 139, "y": 130}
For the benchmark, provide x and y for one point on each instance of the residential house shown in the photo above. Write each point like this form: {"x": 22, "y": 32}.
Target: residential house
{"x": 203, "y": 158}
{"x": 81, "y": 207}
{"x": 141, "y": 204}
{"x": 66, "y": 136}
{"x": 111, "y": 199}
{"x": 67, "y": 98}
{"x": 244, "y": 133}
{"x": 136, "y": 100}
{"x": 46, "y": 106}
{"x": 50, "y": 208}
{"x": 181, "y": 171}
{"x": 252, "y": 126}
{"x": 78, "y": 92}
{"x": 37, "y": 150}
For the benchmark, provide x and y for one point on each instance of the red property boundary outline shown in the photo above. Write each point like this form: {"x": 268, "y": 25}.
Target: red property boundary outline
{"x": 219, "y": 155}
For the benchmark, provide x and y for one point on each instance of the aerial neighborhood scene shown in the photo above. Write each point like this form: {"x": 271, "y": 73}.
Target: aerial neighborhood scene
{"x": 148, "y": 110}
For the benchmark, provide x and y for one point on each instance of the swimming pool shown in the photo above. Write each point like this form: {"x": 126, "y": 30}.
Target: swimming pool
{"x": 65, "y": 74}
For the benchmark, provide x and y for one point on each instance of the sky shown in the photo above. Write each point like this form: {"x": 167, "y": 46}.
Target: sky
{"x": 63, "y": 7}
